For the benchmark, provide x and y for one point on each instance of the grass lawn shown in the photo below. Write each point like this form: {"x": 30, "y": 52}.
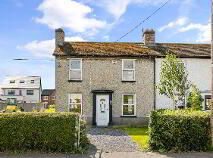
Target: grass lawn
{"x": 139, "y": 135}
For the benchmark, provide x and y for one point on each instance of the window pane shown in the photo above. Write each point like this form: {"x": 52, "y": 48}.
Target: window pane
{"x": 75, "y": 103}
{"x": 128, "y": 99}
{"x": 128, "y": 109}
{"x": 208, "y": 104}
{"x": 75, "y": 64}
{"x": 75, "y": 74}
{"x": 128, "y": 75}
{"x": 75, "y": 98}
{"x": 128, "y": 64}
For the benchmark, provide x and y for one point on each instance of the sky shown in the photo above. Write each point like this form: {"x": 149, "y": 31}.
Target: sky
{"x": 28, "y": 28}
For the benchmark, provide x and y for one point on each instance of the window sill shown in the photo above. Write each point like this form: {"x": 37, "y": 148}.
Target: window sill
{"x": 127, "y": 81}
{"x": 75, "y": 80}
{"x": 128, "y": 116}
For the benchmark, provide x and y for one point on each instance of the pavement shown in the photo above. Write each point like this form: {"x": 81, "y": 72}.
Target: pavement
{"x": 100, "y": 154}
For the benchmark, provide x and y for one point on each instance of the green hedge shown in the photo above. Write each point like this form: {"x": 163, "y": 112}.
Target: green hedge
{"x": 179, "y": 130}
{"x": 51, "y": 132}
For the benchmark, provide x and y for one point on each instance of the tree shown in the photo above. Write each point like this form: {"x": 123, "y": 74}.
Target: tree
{"x": 195, "y": 99}
{"x": 173, "y": 79}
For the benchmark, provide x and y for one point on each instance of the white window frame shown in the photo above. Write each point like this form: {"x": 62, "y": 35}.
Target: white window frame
{"x": 70, "y": 60}
{"x": 123, "y": 60}
{"x": 134, "y": 103}
{"x": 69, "y": 97}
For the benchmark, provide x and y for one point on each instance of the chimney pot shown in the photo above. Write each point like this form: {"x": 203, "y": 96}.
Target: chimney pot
{"x": 149, "y": 37}
{"x": 59, "y": 37}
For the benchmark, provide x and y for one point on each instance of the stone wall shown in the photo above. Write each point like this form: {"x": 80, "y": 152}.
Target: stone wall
{"x": 106, "y": 74}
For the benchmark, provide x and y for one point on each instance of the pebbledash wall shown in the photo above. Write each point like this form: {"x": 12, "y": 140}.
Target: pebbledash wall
{"x": 106, "y": 74}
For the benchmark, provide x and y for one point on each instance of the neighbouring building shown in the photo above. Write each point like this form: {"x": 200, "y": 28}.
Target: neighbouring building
{"x": 48, "y": 97}
{"x": 196, "y": 59}
{"x": 18, "y": 90}
{"x": 115, "y": 83}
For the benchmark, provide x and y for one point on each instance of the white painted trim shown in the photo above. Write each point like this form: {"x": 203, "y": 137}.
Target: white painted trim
{"x": 122, "y": 103}
{"x": 128, "y": 69}
{"x": 70, "y": 59}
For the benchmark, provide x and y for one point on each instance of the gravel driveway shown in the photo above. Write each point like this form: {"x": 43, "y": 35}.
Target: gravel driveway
{"x": 111, "y": 140}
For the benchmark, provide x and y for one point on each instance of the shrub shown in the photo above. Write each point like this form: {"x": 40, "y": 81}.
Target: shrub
{"x": 51, "y": 132}
{"x": 195, "y": 99}
{"x": 179, "y": 130}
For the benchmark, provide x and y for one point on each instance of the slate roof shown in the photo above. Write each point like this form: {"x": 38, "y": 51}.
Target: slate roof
{"x": 115, "y": 49}
{"x": 47, "y": 92}
{"x": 26, "y": 84}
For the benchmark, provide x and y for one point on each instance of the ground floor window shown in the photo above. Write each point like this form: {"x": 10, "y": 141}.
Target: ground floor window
{"x": 75, "y": 103}
{"x": 129, "y": 105}
{"x": 11, "y": 101}
{"x": 207, "y": 102}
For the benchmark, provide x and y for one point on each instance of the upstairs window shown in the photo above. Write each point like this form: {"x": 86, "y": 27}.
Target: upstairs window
{"x": 12, "y": 81}
{"x": 31, "y": 81}
{"x": 75, "y": 69}
{"x": 11, "y": 92}
{"x": 29, "y": 92}
{"x": 128, "y": 70}
{"x": 22, "y": 81}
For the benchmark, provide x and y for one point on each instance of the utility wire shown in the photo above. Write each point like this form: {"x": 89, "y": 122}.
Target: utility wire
{"x": 147, "y": 18}
{"x": 27, "y": 59}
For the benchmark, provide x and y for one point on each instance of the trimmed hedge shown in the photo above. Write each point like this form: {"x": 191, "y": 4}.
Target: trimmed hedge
{"x": 49, "y": 132}
{"x": 179, "y": 130}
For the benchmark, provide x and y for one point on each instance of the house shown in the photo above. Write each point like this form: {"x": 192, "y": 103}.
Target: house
{"x": 48, "y": 97}
{"x": 197, "y": 61}
{"x": 17, "y": 90}
{"x": 114, "y": 83}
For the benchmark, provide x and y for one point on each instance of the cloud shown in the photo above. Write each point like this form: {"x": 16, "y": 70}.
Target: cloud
{"x": 204, "y": 31}
{"x": 179, "y": 22}
{"x": 44, "y": 48}
{"x": 106, "y": 38}
{"x": 69, "y": 14}
{"x": 118, "y": 7}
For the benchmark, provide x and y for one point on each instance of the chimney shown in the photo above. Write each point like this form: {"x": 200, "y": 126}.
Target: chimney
{"x": 149, "y": 37}
{"x": 59, "y": 37}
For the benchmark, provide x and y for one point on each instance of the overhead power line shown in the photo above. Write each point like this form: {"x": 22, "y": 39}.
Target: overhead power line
{"x": 147, "y": 18}
{"x": 24, "y": 59}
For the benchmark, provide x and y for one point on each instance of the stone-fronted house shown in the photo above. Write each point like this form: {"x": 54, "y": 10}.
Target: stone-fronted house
{"x": 113, "y": 83}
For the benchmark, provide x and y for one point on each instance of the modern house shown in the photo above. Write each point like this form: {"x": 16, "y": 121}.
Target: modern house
{"x": 48, "y": 97}
{"x": 18, "y": 90}
{"x": 115, "y": 83}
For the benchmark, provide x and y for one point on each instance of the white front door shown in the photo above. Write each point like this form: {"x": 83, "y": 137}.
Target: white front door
{"x": 102, "y": 110}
